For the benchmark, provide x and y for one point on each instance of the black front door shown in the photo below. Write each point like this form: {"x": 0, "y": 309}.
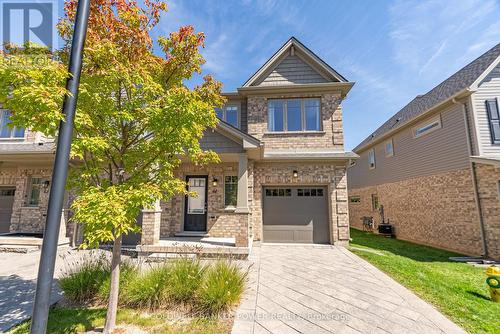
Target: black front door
{"x": 195, "y": 208}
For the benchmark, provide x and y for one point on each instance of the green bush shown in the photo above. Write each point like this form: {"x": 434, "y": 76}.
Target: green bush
{"x": 148, "y": 290}
{"x": 222, "y": 286}
{"x": 83, "y": 279}
{"x": 184, "y": 279}
{"x": 128, "y": 273}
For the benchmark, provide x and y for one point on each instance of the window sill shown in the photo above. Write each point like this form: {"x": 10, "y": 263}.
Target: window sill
{"x": 294, "y": 132}
{"x": 12, "y": 139}
{"x": 230, "y": 209}
{"x": 30, "y": 207}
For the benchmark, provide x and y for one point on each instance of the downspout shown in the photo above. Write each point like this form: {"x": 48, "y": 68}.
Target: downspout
{"x": 474, "y": 177}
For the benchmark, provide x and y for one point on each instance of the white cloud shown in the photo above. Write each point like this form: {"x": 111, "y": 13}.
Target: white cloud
{"x": 428, "y": 36}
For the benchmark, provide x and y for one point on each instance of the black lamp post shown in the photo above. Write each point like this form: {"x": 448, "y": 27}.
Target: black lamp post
{"x": 59, "y": 175}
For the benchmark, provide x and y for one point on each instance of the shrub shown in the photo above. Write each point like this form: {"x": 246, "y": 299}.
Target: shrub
{"x": 128, "y": 273}
{"x": 148, "y": 290}
{"x": 83, "y": 279}
{"x": 222, "y": 287}
{"x": 184, "y": 279}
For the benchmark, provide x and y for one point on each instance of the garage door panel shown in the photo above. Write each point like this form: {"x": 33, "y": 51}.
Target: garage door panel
{"x": 295, "y": 214}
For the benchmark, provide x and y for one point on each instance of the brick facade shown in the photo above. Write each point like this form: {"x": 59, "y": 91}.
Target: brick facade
{"x": 437, "y": 210}
{"x": 488, "y": 183}
{"x": 334, "y": 177}
{"x": 330, "y": 137}
{"x": 221, "y": 222}
{"x": 26, "y": 218}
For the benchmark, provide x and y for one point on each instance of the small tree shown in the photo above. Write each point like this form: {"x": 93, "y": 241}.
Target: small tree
{"x": 135, "y": 117}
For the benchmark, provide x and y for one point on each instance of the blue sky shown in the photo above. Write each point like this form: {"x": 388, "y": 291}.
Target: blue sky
{"x": 393, "y": 50}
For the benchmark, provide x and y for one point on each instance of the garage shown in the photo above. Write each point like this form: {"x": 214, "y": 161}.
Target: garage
{"x": 296, "y": 214}
{"x": 6, "y": 202}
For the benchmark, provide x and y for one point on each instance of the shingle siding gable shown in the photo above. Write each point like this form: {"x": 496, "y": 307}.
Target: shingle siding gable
{"x": 292, "y": 70}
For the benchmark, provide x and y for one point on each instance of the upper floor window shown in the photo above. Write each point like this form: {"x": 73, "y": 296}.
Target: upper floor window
{"x": 7, "y": 131}
{"x": 294, "y": 115}
{"x": 389, "y": 148}
{"x": 428, "y": 126}
{"x": 494, "y": 120}
{"x": 371, "y": 158}
{"x": 229, "y": 114}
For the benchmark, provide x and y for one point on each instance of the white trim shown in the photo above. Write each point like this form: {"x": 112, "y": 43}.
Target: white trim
{"x": 475, "y": 84}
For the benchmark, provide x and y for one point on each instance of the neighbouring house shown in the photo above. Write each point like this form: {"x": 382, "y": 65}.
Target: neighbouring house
{"x": 435, "y": 165}
{"x": 282, "y": 175}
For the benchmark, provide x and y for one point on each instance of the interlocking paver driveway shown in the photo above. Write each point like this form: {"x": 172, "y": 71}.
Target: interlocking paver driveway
{"x": 327, "y": 289}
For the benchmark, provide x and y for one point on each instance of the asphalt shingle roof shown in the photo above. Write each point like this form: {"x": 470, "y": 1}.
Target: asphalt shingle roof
{"x": 446, "y": 89}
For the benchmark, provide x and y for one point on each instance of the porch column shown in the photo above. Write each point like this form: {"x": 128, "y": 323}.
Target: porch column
{"x": 151, "y": 220}
{"x": 242, "y": 198}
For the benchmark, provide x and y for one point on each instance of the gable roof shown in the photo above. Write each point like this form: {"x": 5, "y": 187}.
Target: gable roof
{"x": 306, "y": 56}
{"x": 248, "y": 140}
{"x": 449, "y": 88}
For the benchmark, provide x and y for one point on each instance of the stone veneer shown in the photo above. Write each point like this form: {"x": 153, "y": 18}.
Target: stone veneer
{"x": 330, "y": 137}
{"x": 437, "y": 210}
{"x": 221, "y": 222}
{"x": 488, "y": 182}
{"x": 334, "y": 177}
{"x": 26, "y": 218}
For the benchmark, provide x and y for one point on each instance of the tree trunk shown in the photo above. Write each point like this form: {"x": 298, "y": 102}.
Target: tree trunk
{"x": 114, "y": 287}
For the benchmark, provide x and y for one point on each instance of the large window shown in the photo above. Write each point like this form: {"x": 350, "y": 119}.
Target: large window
{"x": 494, "y": 120}
{"x": 294, "y": 115}
{"x": 230, "y": 190}
{"x": 7, "y": 131}
{"x": 35, "y": 184}
{"x": 229, "y": 114}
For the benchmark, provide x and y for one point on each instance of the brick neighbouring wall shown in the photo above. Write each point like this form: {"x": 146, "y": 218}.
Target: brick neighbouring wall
{"x": 488, "y": 178}
{"x": 275, "y": 174}
{"x": 25, "y": 218}
{"x": 151, "y": 221}
{"x": 220, "y": 222}
{"x": 437, "y": 210}
{"x": 331, "y": 137}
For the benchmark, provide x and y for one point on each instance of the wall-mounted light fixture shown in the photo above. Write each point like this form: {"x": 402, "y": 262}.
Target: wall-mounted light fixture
{"x": 295, "y": 174}
{"x": 45, "y": 186}
{"x": 215, "y": 182}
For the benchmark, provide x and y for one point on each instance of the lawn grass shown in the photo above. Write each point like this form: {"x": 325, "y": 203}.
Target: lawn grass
{"x": 79, "y": 320}
{"x": 458, "y": 290}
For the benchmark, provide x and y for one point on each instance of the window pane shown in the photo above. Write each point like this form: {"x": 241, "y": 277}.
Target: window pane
{"x": 493, "y": 109}
{"x": 34, "y": 195}
{"x": 276, "y": 113}
{"x": 230, "y": 190}
{"x": 232, "y": 116}
{"x": 19, "y": 132}
{"x": 312, "y": 114}
{"x": 294, "y": 115}
{"x": 219, "y": 113}
{"x": 495, "y": 126}
{"x": 5, "y": 130}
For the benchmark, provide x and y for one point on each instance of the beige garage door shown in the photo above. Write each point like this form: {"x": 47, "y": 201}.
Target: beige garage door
{"x": 296, "y": 214}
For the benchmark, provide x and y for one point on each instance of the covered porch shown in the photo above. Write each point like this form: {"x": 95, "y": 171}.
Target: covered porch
{"x": 217, "y": 218}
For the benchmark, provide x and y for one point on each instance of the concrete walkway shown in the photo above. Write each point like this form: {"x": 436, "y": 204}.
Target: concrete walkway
{"x": 18, "y": 283}
{"x": 327, "y": 289}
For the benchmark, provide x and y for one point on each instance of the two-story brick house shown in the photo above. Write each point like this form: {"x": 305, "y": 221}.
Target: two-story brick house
{"x": 435, "y": 165}
{"x": 282, "y": 175}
